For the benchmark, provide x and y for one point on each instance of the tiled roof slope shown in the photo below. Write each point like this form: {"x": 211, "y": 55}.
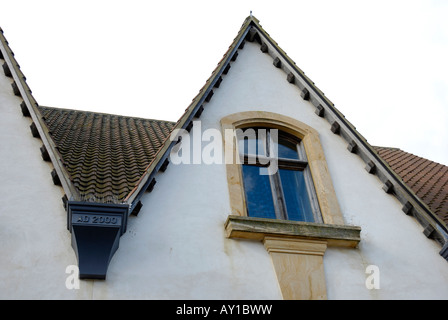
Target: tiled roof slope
{"x": 105, "y": 155}
{"x": 428, "y": 179}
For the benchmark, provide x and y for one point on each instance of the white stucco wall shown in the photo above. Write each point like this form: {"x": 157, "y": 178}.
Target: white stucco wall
{"x": 35, "y": 244}
{"x": 178, "y": 237}
{"x": 176, "y": 247}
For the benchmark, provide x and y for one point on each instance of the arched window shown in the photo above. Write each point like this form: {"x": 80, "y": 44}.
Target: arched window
{"x": 276, "y": 177}
{"x": 301, "y": 162}
{"x": 281, "y": 193}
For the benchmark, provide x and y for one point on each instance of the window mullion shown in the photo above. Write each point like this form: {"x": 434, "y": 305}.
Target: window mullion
{"x": 279, "y": 199}
{"x": 276, "y": 188}
{"x": 276, "y": 185}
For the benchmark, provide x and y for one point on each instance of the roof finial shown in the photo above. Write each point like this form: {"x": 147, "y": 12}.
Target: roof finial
{"x": 251, "y": 13}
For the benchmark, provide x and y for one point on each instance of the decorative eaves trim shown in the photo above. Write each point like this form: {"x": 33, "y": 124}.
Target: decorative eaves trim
{"x": 194, "y": 110}
{"x": 252, "y": 31}
{"x": 357, "y": 144}
{"x": 95, "y": 228}
{"x": 29, "y": 108}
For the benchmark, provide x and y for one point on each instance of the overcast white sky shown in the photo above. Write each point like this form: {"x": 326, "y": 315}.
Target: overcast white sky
{"x": 382, "y": 63}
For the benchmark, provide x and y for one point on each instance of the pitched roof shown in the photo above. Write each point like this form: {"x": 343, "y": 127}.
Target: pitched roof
{"x": 250, "y": 31}
{"x": 428, "y": 179}
{"x": 105, "y": 155}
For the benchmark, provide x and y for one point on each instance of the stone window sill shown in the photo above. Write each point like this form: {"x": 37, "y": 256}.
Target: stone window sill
{"x": 258, "y": 228}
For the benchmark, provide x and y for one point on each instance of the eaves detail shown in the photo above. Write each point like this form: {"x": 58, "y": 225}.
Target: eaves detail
{"x": 434, "y": 227}
{"x": 105, "y": 157}
{"x": 428, "y": 179}
{"x": 105, "y": 163}
{"x": 97, "y": 159}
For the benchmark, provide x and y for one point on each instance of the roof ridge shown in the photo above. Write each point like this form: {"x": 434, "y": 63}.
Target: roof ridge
{"x": 105, "y": 114}
{"x": 398, "y": 149}
{"x": 383, "y": 147}
{"x": 30, "y": 108}
{"x": 203, "y": 96}
{"x": 252, "y": 31}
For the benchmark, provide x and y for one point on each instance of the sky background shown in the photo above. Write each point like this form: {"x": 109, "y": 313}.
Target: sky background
{"x": 384, "y": 64}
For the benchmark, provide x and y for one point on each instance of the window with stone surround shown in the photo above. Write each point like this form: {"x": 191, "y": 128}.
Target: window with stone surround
{"x": 276, "y": 176}
{"x": 296, "y": 238}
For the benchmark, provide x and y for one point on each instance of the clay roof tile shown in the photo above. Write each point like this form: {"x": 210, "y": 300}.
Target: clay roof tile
{"x": 105, "y": 155}
{"x": 428, "y": 179}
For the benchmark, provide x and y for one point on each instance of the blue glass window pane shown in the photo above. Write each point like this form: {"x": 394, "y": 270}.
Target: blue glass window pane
{"x": 249, "y": 142}
{"x": 298, "y": 204}
{"x": 258, "y": 192}
{"x": 286, "y": 149}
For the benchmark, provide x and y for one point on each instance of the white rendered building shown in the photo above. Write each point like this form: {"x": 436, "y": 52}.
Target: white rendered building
{"x": 306, "y": 209}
